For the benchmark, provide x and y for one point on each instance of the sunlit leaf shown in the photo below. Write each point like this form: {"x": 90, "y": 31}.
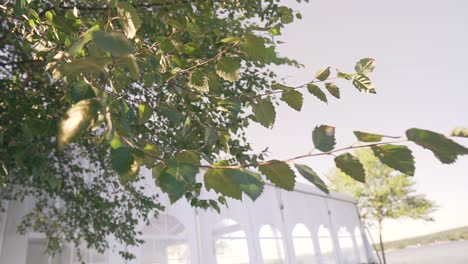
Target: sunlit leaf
{"x": 228, "y": 68}
{"x": 459, "y": 132}
{"x": 199, "y": 81}
{"x": 363, "y": 84}
{"x": 82, "y": 40}
{"x": 129, "y": 19}
{"x": 76, "y": 120}
{"x": 365, "y": 66}
{"x": 323, "y": 74}
{"x": 176, "y": 178}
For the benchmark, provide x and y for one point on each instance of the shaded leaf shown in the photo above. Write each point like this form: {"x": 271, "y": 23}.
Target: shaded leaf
{"x": 129, "y": 19}
{"x": 250, "y": 182}
{"x": 176, "y": 178}
{"x": 312, "y": 177}
{"x": 85, "y": 65}
{"x": 254, "y": 47}
{"x": 368, "y": 137}
{"x": 365, "y": 66}
{"x": 317, "y": 92}
{"x": 125, "y": 163}
{"x": 228, "y": 68}
{"x": 232, "y": 182}
{"x": 363, "y": 84}
{"x": 323, "y": 74}
{"x": 293, "y": 98}
{"x": 351, "y": 165}
{"x": 446, "y": 150}
{"x": 222, "y": 181}
{"x": 397, "y": 157}
{"x": 113, "y": 42}
{"x": 78, "y": 118}
{"x": 264, "y": 112}
{"x": 81, "y": 91}
{"x": 323, "y": 137}
{"x": 333, "y": 89}
{"x": 211, "y": 136}
{"x": 279, "y": 173}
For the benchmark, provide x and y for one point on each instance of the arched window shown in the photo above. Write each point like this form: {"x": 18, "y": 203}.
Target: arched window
{"x": 303, "y": 245}
{"x": 230, "y": 243}
{"x": 271, "y": 244}
{"x": 326, "y": 245}
{"x": 360, "y": 244}
{"x": 165, "y": 242}
{"x": 347, "y": 246}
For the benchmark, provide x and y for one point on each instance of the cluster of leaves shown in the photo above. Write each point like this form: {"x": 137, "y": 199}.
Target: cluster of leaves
{"x": 92, "y": 91}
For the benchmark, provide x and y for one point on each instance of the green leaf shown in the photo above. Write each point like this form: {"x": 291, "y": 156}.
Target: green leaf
{"x": 222, "y": 181}
{"x": 312, "y": 177}
{"x": 82, "y": 40}
{"x": 293, "y": 98}
{"x": 363, "y": 84}
{"x": 254, "y": 47}
{"x": 264, "y": 112}
{"x": 81, "y": 91}
{"x": 129, "y": 19}
{"x": 113, "y": 42}
{"x": 460, "y": 132}
{"x": 446, "y": 150}
{"x": 324, "y": 137}
{"x": 365, "y": 66}
{"x": 397, "y": 157}
{"x": 368, "y": 137}
{"x": 333, "y": 89}
{"x": 211, "y": 136}
{"x": 122, "y": 160}
{"x": 228, "y": 68}
{"x": 199, "y": 81}
{"x": 232, "y": 182}
{"x": 279, "y": 86}
{"x": 317, "y": 92}
{"x": 343, "y": 75}
{"x": 131, "y": 64}
{"x": 77, "y": 119}
{"x": 279, "y": 173}
{"x": 85, "y": 65}
{"x": 351, "y": 166}
{"x": 176, "y": 178}
{"x": 144, "y": 113}
{"x": 189, "y": 157}
{"x": 250, "y": 182}
{"x": 286, "y": 15}
{"x": 323, "y": 74}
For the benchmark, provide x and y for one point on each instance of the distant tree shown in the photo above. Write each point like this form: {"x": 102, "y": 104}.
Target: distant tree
{"x": 386, "y": 193}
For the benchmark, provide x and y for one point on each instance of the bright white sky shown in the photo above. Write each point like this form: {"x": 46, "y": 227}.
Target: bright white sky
{"x": 421, "y": 50}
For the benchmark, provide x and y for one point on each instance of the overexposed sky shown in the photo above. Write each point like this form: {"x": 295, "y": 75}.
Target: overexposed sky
{"x": 421, "y": 51}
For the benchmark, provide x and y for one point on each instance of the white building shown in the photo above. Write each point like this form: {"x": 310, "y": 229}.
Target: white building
{"x": 302, "y": 226}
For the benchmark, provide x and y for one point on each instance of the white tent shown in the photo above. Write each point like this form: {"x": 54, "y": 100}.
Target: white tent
{"x": 302, "y": 226}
